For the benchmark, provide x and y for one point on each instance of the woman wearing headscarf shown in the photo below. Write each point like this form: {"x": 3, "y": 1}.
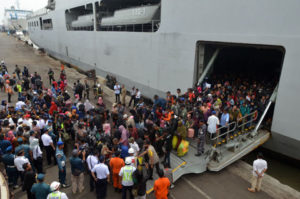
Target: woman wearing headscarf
{"x": 53, "y": 108}
{"x": 181, "y": 132}
{"x": 124, "y": 135}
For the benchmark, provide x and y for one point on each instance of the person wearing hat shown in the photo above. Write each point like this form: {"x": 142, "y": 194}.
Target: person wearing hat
{"x": 61, "y": 163}
{"x": 101, "y": 175}
{"x": 29, "y": 180}
{"x": 77, "y": 170}
{"x": 116, "y": 163}
{"x": 55, "y": 186}
{"x": 201, "y": 138}
{"x": 40, "y": 189}
{"x": 11, "y": 170}
{"x": 24, "y": 147}
{"x": 4, "y": 143}
{"x": 19, "y": 160}
{"x": 212, "y": 124}
{"x": 131, "y": 153}
{"x": 125, "y": 174}
{"x": 260, "y": 166}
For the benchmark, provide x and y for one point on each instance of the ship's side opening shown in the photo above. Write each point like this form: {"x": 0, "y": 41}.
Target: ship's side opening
{"x": 253, "y": 70}
{"x": 80, "y": 18}
{"x": 128, "y": 15}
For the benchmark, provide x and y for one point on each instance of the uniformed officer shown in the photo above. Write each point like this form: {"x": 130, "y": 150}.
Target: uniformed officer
{"x": 40, "y": 189}
{"x": 56, "y": 194}
{"x": 61, "y": 162}
{"x": 201, "y": 138}
{"x": 11, "y": 170}
{"x": 126, "y": 177}
{"x": 101, "y": 175}
{"x": 24, "y": 147}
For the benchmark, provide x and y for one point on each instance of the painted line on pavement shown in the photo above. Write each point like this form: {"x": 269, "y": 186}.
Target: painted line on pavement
{"x": 196, "y": 188}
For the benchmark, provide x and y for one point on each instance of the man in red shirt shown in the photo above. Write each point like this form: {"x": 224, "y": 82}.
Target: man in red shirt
{"x": 161, "y": 186}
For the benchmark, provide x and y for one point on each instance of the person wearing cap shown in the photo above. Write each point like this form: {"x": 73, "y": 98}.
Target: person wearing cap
{"x": 92, "y": 160}
{"x": 133, "y": 158}
{"x": 4, "y": 143}
{"x": 101, "y": 175}
{"x": 49, "y": 146}
{"x": 201, "y": 138}
{"x": 56, "y": 194}
{"x": 11, "y": 170}
{"x": 116, "y": 163}
{"x": 19, "y": 160}
{"x": 61, "y": 163}
{"x": 77, "y": 170}
{"x": 212, "y": 124}
{"x": 24, "y": 147}
{"x": 37, "y": 155}
{"x": 161, "y": 186}
{"x": 40, "y": 189}
{"x": 29, "y": 180}
{"x": 125, "y": 174}
{"x": 260, "y": 166}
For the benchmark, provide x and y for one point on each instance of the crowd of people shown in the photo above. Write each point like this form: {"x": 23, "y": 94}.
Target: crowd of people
{"x": 122, "y": 143}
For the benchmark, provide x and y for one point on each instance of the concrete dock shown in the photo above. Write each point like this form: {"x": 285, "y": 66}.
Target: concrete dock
{"x": 232, "y": 182}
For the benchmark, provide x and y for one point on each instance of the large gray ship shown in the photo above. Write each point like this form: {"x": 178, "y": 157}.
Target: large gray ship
{"x": 160, "y": 46}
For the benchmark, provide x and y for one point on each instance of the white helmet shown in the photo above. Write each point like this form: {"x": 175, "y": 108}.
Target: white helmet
{"x": 128, "y": 161}
{"x": 54, "y": 186}
{"x": 131, "y": 150}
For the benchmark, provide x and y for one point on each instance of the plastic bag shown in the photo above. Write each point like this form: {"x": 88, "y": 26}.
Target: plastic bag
{"x": 183, "y": 148}
{"x": 174, "y": 141}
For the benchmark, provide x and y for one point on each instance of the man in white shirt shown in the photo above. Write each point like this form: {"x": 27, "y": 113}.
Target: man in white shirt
{"x": 19, "y": 161}
{"x": 100, "y": 174}
{"x": 260, "y": 166}
{"x": 49, "y": 146}
{"x": 92, "y": 160}
{"x": 117, "y": 89}
{"x": 137, "y": 96}
{"x": 212, "y": 124}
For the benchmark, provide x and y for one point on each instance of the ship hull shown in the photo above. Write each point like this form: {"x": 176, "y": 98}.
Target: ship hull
{"x": 166, "y": 60}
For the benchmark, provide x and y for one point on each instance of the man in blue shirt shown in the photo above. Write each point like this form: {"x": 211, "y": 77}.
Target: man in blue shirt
{"x": 77, "y": 169}
{"x": 224, "y": 122}
{"x": 61, "y": 162}
{"x": 11, "y": 170}
{"x": 24, "y": 147}
{"x": 4, "y": 143}
{"x": 40, "y": 189}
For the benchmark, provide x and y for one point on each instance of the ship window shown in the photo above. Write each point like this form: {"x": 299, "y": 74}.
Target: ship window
{"x": 128, "y": 16}
{"x": 80, "y": 18}
{"x": 47, "y": 24}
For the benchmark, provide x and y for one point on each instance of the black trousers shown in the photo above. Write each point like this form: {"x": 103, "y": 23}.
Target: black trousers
{"x": 29, "y": 194}
{"x": 38, "y": 164}
{"x": 124, "y": 192}
{"x": 101, "y": 188}
{"x": 117, "y": 98}
{"x": 151, "y": 169}
{"x": 49, "y": 153}
{"x": 92, "y": 182}
{"x": 132, "y": 99}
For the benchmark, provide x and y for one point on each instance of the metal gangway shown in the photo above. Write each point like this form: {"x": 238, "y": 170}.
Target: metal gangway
{"x": 238, "y": 139}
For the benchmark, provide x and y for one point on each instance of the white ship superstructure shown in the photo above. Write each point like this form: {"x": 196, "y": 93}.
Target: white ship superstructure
{"x": 159, "y": 46}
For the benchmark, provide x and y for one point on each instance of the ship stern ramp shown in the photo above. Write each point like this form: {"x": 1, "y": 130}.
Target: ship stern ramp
{"x": 217, "y": 156}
